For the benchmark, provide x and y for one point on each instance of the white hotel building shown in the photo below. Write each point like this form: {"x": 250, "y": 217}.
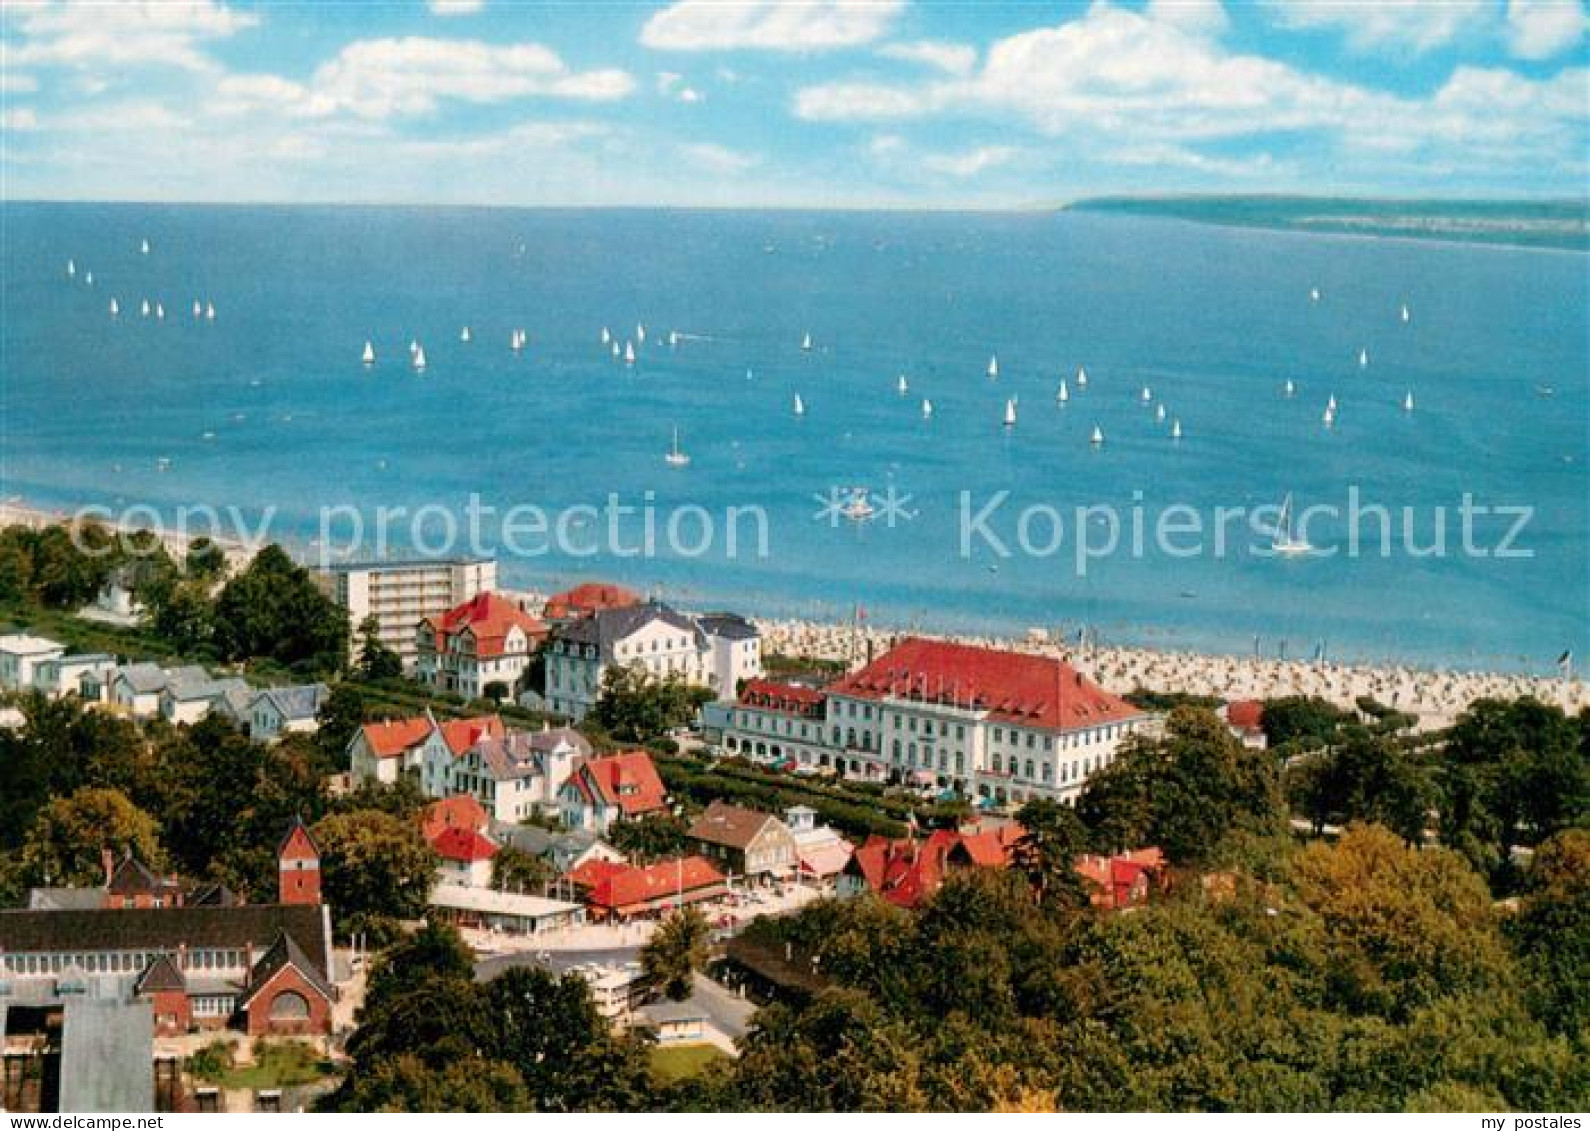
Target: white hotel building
{"x": 400, "y": 594}
{"x": 1000, "y": 725}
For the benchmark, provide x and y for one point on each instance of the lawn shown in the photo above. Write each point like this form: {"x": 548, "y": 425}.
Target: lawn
{"x": 676, "y": 1062}
{"x": 284, "y": 1065}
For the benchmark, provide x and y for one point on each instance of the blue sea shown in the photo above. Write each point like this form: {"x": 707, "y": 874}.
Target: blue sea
{"x": 268, "y": 406}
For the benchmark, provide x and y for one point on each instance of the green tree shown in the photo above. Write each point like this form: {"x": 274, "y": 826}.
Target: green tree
{"x": 341, "y": 715}
{"x": 1046, "y": 853}
{"x": 1302, "y": 720}
{"x": 675, "y": 951}
{"x": 407, "y": 1083}
{"x": 514, "y": 869}
{"x": 273, "y": 609}
{"x": 636, "y": 706}
{"x": 184, "y": 616}
{"x": 204, "y": 561}
{"x": 376, "y": 660}
{"x": 660, "y": 836}
{"x": 376, "y": 870}
{"x": 68, "y": 840}
{"x": 1552, "y": 931}
{"x": 1366, "y": 776}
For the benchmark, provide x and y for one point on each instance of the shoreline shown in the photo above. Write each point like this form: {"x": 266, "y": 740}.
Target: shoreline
{"x": 1435, "y": 694}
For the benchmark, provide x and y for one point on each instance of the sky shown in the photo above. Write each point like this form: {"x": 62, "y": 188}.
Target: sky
{"x": 789, "y": 103}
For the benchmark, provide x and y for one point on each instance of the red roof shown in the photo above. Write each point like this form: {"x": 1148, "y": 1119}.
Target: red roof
{"x": 637, "y": 888}
{"x": 461, "y": 734}
{"x": 461, "y": 811}
{"x": 771, "y": 695}
{"x": 991, "y": 849}
{"x": 489, "y": 618}
{"x": 1013, "y": 687}
{"x": 592, "y": 872}
{"x": 587, "y": 599}
{"x": 391, "y": 737}
{"x": 627, "y": 780}
{"x": 908, "y": 873}
{"x": 463, "y": 845}
{"x": 1124, "y": 880}
{"x": 1245, "y": 714}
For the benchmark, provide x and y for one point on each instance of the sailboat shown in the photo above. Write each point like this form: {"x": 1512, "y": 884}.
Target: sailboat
{"x": 516, "y": 341}
{"x": 676, "y": 457}
{"x": 419, "y": 357}
{"x": 369, "y": 353}
{"x": 927, "y": 409}
{"x": 640, "y": 333}
{"x": 1082, "y": 378}
{"x": 464, "y": 334}
{"x": 902, "y": 386}
{"x": 629, "y": 353}
{"x": 198, "y": 309}
{"x": 1407, "y": 315}
{"x": 1313, "y": 294}
{"x": 1330, "y": 405}
{"x": 1363, "y": 359}
{"x": 800, "y": 406}
{"x": 115, "y": 308}
{"x": 1159, "y": 414}
{"x": 607, "y": 335}
{"x": 1064, "y": 394}
{"x": 88, "y": 278}
{"x": 143, "y": 248}
{"x": 1097, "y": 439}
{"x": 858, "y": 508}
{"x": 1010, "y": 413}
{"x": 1284, "y": 541}
{"x": 143, "y": 308}
{"x": 1407, "y": 401}
{"x": 1330, "y": 416}
{"x": 1290, "y": 387}
{"x": 806, "y": 341}
{"x": 1175, "y": 429}
{"x": 673, "y": 338}
{"x": 617, "y": 353}
{"x": 993, "y": 366}
{"x": 414, "y": 347}
{"x": 160, "y": 311}
{"x": 71, "y": 269}
{"x": 1146, "y": 395}
{"x": 209, "y": 312}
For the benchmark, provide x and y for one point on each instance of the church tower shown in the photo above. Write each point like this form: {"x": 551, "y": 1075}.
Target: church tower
{"x": 298, "y": 866}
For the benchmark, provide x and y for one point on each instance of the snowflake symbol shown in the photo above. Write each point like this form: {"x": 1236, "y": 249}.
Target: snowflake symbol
{"x": 894, "y": 507}
{"x": 852, "y": 504}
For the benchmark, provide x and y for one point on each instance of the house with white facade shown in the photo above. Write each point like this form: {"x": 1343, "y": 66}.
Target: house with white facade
{"x": 281, "y": 710}
{"x": 1002, "y": 726}
{"x": 614, "y": 787}
{"x": 513, "y": 775}
{"x": 21, "y": 653}
{"x": 383, "y": 751}
{"x": 64, "y": 675}
{"x": 139, "y": 689}
{"x": 487, "y": 639}
{"x": 187, "y": 697}
{"x": 716, "y": 651}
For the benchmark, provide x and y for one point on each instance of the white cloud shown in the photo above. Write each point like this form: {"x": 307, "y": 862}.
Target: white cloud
{"x": 18, "y": 118}
{"x": 127, "y": 33}
{"x": 456, "y": 7}
{"x": 690, "y": 94}
{"x": 1205, "y": 17}
{"x": 768, "y": 25}
{"x": 718, "y": 158}
{"x": 951, "y": 58}
{"x": 380, "y": 78}
{"x": 1382, "y": 26}
{"x": 13, "y": 83}
{"x": 1541, "y": 29}
{"x": 1178, "y": 157}
{"x": 971, "y": 162}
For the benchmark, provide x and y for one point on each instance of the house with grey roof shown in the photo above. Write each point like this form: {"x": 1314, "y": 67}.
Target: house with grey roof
{"x": 62, "y": 675}
{"x": 20, "y": 655}
{"x": 513, "y": 775}
{"x": 191, "y": 692}
{"x": 136, "y": 688}
{"x": 564, "y": 849}
{"x": 713, "y": 651}
{"x": 278, "y": 710}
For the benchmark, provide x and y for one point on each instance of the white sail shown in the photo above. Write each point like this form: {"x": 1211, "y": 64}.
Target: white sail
{"x": 1064, "y": 393}
{"x": 676, "y": 457}
{"x": 607, "y": 335}
{"x": 1146, "y": 395}
{"x": 902, "y": 386}
{"x": 419, "y": 357}
{"x": 1313, "y": 294}
{"x": 1082, "y": 378}
{"x": 629, "y": 353}
{"x": 1159, "y": 414}
{"x": 673, "y": 338}
{"x": 1329, "y": 417}
{"x": 143, "y": 308}
{"x": 71, "y": 269}
{"x": 464, "y": 334}
{"x": 640, "y": 333}
{"x": 369, "y": 353}
{"x": 115, "y": 308}
{"x": 806, "y": 341}
{"x": 1290, "y": 387}
{"x": 1010, "y": 413}
{"x": 1407, "y": 401}
{"x": 1175, "y": 430}
{"x": 88, "y": 278}
{"x": 993, "y": 366}
{"x": 927, "y": 408}
{"x": 1098, "y": 436}
{"x": 143, "y": 248}
{"x": 1284, "y": 541}
{"x": 160, "y": 311}
{"x": 1330, "y": 405}
{"x": 209, "y": 312}
{"x": 1363, "y": 359}
{"x": 414, "y": 347}
{"x": 800, "y": 406}
{"x": 616, "y": 351}
{"x": 1407, "y": 315}
{"x": 198, "y": 309}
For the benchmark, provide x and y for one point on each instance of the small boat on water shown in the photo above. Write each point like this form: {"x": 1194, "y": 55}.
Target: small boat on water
{"x": 163, "y": 463}
{"x": 1313, "y": 294}
{"x": 1289, "y": 388}
{"x": 629, "y": 353}
{"x": 464, "y": 335}
{"x": 607, "y": 335}
{"x": 1330, "y": 417}
{"x": 902, "y": 386}
{"x": 209, "y": 312}
{"x": 673, "y": 338}
{"x": 857, "y": 508}
{"x": 115, "y": 308}
{"x": 516, "y": 341}
{"x": 1407, "y": 401}
{"x": 617, "y": 353}
{"x": 1010, "y": 413}
{"x": 1330, "y": 405}
{"x": 419, "y": 358}
{"x": 143, "y": 248}
{"x": 800, "y": 406}
{"x": 160, "y": 312}
{"x": 640, "y": 333}
{"x": 676, "y": 456}
{"x": 1097, "y": 439}
{"x": 1064, "y": 394}
{"x": 806, "y": 341}
{"x": 1363, "y": 359}
{"x": 1146, "y": 395}
{"x": 1285, "y": 541}
{"x": 71, "y": 269}
{"x": 993, "y": 366}
{"x": 143, "y": 308}
{"x": 1175, "y": 429}
{"x": 369, "y": 353}
{"x": 1407, "y": 315}
{"x": 927, "y": 409}
{"x": 198, "y": 309}
{"x": 414, "y": 347}
{"x": 1082, "y": 378}
{"x": 88, "y": 278}
{"x": 1159, "y": 414}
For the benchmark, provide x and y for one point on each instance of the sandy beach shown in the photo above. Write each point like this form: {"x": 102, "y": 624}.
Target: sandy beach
{"x": 16, "y": 512}
{"x": 1436, "y": 696}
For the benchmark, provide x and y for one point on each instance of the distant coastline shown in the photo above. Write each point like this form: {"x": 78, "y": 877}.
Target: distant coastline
{"x": 1546, "y": 224}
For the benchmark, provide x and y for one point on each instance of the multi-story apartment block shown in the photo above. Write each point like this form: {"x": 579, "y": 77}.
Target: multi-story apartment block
{"x": 400, "y": 594}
